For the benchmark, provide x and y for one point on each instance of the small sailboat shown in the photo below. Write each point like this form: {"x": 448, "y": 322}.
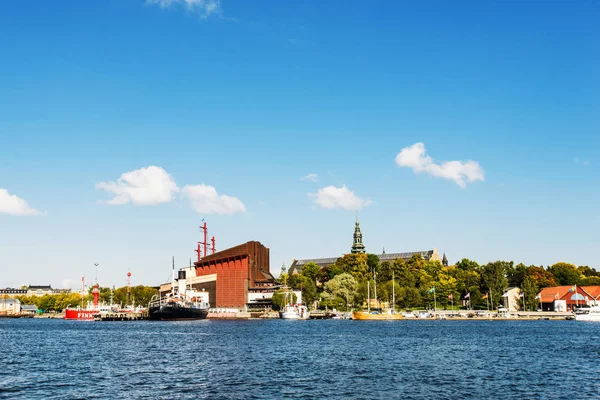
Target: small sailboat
{"x": 293, "y": 311}
{"x": 377, "y": 315}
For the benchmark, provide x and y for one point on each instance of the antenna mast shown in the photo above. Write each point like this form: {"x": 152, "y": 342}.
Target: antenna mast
{"x": 128, "y": 286}
{"x": 203, "y": 227}
{"x": 173, "y": 279}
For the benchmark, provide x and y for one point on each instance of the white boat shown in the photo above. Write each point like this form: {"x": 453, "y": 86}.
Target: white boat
{"x": 588, "y": 313}
{"x": 294, "y": 312}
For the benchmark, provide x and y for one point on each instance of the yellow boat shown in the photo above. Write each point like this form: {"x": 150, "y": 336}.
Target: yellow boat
{"x": 376, "y": 316}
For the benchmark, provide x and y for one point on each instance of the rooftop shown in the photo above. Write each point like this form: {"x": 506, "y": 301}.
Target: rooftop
{"x": 323, "y": 262}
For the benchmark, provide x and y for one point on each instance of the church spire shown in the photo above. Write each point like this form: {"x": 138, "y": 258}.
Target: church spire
{"x": 444, "y": 260}
{"x": 357, "y": 245}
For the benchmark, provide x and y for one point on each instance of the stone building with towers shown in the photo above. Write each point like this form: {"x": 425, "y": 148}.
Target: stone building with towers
{"x": 358, "y": 247}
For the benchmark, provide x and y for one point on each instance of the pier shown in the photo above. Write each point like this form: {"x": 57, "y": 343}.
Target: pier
{"x": 122, "y": 316}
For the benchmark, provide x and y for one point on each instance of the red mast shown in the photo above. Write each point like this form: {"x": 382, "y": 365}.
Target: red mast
{"x": 199, "y": 251}
{"x": 204, "y": 243}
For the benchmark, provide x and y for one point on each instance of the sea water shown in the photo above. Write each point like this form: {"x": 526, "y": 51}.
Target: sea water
{"x": 271, "y": 359}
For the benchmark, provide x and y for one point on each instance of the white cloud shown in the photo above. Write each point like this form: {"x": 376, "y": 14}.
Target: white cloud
{"x": 310, "y": 177}
{"x": 205, "y": 8}
{"x": 342, "y": 197}
{"x": 205, "y": 200}
{"x": 145, "y": 186}
{"x": 13, "y": 205}
{"x": 458, "y": 171}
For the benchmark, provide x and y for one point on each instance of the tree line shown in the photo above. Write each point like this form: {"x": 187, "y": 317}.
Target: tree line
{"x": 344, "y": 283}
{"x": 58, "y": 302}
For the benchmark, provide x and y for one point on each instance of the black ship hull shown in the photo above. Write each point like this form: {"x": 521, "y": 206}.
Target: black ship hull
{"x": 175, "y": 312}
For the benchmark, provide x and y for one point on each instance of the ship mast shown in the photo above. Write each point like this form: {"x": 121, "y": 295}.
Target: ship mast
{"x": 393, "y": 294}
{"x": 173, "y": 279}
{"x": 369, "y": 296}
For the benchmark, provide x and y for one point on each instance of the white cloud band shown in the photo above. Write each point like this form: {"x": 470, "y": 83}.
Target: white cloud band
{"x": 145, "y": 186}
{"x": 460, "y": 172}
{"x": 14, "y": 205}
{"x": 205, "y": 200}
{"x": 333, "y": 197}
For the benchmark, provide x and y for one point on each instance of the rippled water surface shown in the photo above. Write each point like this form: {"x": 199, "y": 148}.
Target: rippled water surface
{"x": 273, "y": 359}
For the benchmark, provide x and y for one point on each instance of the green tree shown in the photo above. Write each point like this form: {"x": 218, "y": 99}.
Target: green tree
{"x": 587, "y": 272}
{"x": 493, "y": 279}
{"x": 385, "y": 271}
{"x": 404, "y": 276}
{"x": 565, "y": 273}
{"x": 590, "y": 281}
{"x": 530, "y": 291}
{"x": 408, "y": 297}
{"x": 356, "y": 265}
{"x": 294, "y": 281}
{"x": 373, "y": 263}
{"x": 467, "y": 265}
{"x": 47, "y": 303}
{"x": 416, "y": 262}
{"x": 311, "y": 271}
{"x": 329, "y": 272}
{"x": 309, "y": 290}
{"x": 445, "y": 286}
{"x": 540, "y": 277}
{"x": 343, "y": 286}
{"x": 516, "y": 275}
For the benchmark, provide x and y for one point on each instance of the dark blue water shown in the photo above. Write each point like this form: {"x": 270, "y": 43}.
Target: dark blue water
{"x": 272, "y": 359}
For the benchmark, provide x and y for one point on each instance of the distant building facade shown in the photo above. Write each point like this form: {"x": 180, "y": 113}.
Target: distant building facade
{"x": 10, "y": 306}
{"x": 358, "y": 248}
{"x": 29, "y": 309}
{"x": 234, "y": 278}
{"x": 556, "y": 298}
{"x": 12, "y": 292}
{"x": 512, "y": 299}
{"x": 41, "y": 290}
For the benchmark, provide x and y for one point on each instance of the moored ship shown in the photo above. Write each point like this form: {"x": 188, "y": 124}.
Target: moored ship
{"x": 591, "y": 313}
{"x": 376, "y": 315}
{"x": 85, "y": 314}
{"x": 183, "y": 304}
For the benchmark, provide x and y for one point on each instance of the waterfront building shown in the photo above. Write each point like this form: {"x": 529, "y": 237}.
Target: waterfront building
{"x": 359, "y": 247}
{"x": 41, "y": 290}
{"x": 10, "y": 306}
{"x": 234, "y": 278}
{"x": 511, "y": 299}
{"x": 29, "y": 309}
{"x": 566, "y": 298}
{"x": 12, "y": 292}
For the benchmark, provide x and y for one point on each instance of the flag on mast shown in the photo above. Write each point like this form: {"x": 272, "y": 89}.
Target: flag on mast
{"x": 485, "y": 296}
{"x": 468, "y": 295}
{"x": 432, "y": 290}
{"x": 450, "y": 296}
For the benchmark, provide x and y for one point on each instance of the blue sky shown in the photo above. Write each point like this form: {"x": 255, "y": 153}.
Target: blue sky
{"x": 204, "y": 99}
